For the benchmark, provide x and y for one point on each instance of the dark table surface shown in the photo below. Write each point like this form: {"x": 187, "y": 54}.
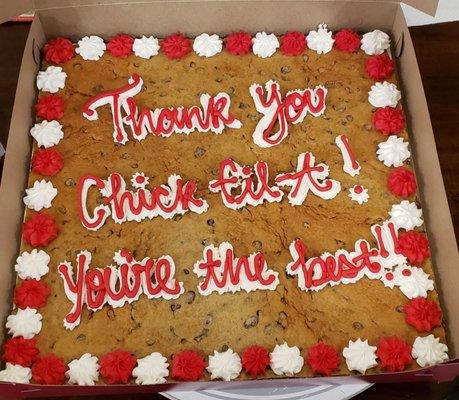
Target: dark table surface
{"x": 437, "y": 50}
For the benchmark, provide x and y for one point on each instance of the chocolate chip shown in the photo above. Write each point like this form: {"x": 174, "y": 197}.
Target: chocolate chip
{"x": 98, "y": 88}
{"x": 135, "y": 165}
{"x": 225, "y": 347}
{"x": 209, "y": 319}
{"x": 357, "y": 326}
{"x": 199, "y": 152}
{"x": 111, "y": 314}
{"x": 81, "y": 337}
{"x": 219, "y": 80}
{"x": 62, "y": 210}
{"x": 399, "y": 309}
{"x": 282, "y": 320}
{"x": 368, "y": 127}
{"x": 189, "y": 297}
{"x": 175, "y": 306}
{"x": 202, "y": 335}
{"x": 306, "y": 224}
{"x": 177, "y": 217}
{"x": 70, "y": 182}
{"x": 253, "y": 117}
{"x": 77, "y": 66}
{"x": 251, "y": 321}
{"x": 268, "y": 329}
{"x": 211, "y": 222}
{"x": 125, "y": 156}
{"x": 186, "y": 271}
{"x": 242, "y": 105}
{"x": 258, "y": 245}
{"x": 350, "y": 118}
{"x": 192, "y": 64}
{"x": 205, "y": 242}
{"x": 137, "y": 65}
{"x": 285, "y": 69}
{"x": 149, "y": 342}
{"x": 231, "y": 90}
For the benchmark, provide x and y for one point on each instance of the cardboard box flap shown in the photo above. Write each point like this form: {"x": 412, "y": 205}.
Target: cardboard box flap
{"x": 427, "y": 6}
{"x": 13, "y": 8}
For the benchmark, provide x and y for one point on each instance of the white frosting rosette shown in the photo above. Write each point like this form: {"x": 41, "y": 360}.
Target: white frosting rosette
{"x": 40, "y": 195}
{"x": 206, "y": 45}
{"x": 428, "y": 351}
{"x": 286, "y": 360}
{"x": 26, "y": 323}
{"x": 16, "y": 374}
{"x": 47, "y": 133}
{"x": 320, "y": 41}
{"x": 384, "y": 94}
{"x": 145, "y": 47}
{"x": 359, "y": 196}
{"x": 151, "y": 370}
{"x": 32, "y": 265}
{"x": 51, "y": 80}
{"x": 375, "y": 42}
{"x": 264, "y": 45}
{"x": 84, "y": 370}
{"x": 225, "y": 365}
{"x": 406, "y": 215}
{"x": 91, "y": 48}
{"x": 360, "y": 356}
{"x": 393, "y": 152}
{"x": 412, "y": 281}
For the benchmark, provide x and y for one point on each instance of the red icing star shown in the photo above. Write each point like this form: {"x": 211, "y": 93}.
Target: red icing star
{"x": 176, "y": 46}
{"x": 40, "y": 230}
{"x": 187, "y": 365}
{"x": 255, "y": 360}
{"x": 414, "y": 246}
{"x": 120, "y": 45}
{"x": 347, "y": 40}
{"x": 50, "y": 106}
{"x": 293, "y": 43}
{"x": 59, "y": 50}
{"x": 20, "y": 351}
{"x": 394, "y": 354}
{"x": 379, "y": 67}
{"x": 423, "y": 314}
{"x": 239, "y": 43}
{"x": 117, "y": 366}
{"x": 389, "y": 120}
{"x": 323, "y": 359}
{"x": 401, "y": 182}
{"x": 31, "y": 293}
{"x": 49, "y": 370}
{"x": 47, "y": 162}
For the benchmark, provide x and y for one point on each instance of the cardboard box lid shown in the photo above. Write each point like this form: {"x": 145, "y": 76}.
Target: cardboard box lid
{"x": 12, "y": 8}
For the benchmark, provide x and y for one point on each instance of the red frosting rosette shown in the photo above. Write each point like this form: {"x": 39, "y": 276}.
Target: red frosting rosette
{"x": 59, "y": 50}
{"x": 49, "y": 370}
{"x": 239, "y": 43}
{"x": 47, "y": 162}
{"x": 347, "y": 40}
{"x": 388, "y": 120}
{"x": 50, "y": 106}
{"x": 40, "y": 230}
{"x": 176, "y": 46}
{"x": 120, "y": 45}
{"x": 379, "y": 67}
{"x": 31, "y": 293}
{"x": 323, "y": 359}
{"x": 20, "y": 351}
{"x": 394, "y": 354}
{"x": 423, "y": 314}
{"x": 401, "y": 182}
{"x": 414, "y": 246}
{"x": 117, "y": 366}
{"x": 187, "y": 365}
{"x": 293, "y": 43}
{"x": 255, "y": 360}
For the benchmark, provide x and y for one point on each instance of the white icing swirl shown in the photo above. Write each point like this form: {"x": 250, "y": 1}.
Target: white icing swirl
{"x": 32, "y": 265}
{"x": 360, "y": 356}
{"x": 428, "y": 351}
{"x": 225, "y": 365}
{"x": 25, "y": 323}
{"x": 40, "y": 195}
{"x": 264, "y": 45}
{"x": 321, "y": 40}
{"x": 84, "y": 370}
{"x": 374, "y": 43}
{"x": 361, "y": 197}
{"x": 145, "y": 47}
{"x": 412, "y": 281}
{"x": 151, "y": 370}
{"x": 47, "y": 133}
{"x": 139, "y": 180}
{"x": 91, "y": 48}
{"x": 51, "y": 80}
{"x": 406, "y": 215}
{"x": 16, "y": 374}
{"x": 384, "y": 94}
{"x": 286, "y": 360}
{"x": 393, "y": 152}
{"x": 206, "y": 45}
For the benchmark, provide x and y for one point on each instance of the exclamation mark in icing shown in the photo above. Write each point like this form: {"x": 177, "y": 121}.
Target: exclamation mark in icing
{"x": 351, "y": 165}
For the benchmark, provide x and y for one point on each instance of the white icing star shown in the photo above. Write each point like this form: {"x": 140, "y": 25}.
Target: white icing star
{"x": 359, "y": 197}
{"x": 145, "y": 47}
{"x": 151, "y": 370}
{"x": 225, "y": 365}
{"x": 428, "y": 351}
{"x": 393, "y": 152}
{"x": 206, "y": 45}
{"x": 32, "y": 265}
{"x": 26, "y": 323}
{"x": 388, "y": 279}
{"x": 286, "y": 360}
{"x": 16, "y": 374}
{"x": 47, "y": 133}
{"x": 360, "y": 356}
{"x": 139, "y": 180}
{"x": 91, "y": 48}
{"x": 264, "y": 45}
{"x": 384, "y": 94}
{"x": 412, "y": 281}
{"x": 321, "y": 40}
{"x": 83, "y": 371}
{"x": 375, "y": 42}
{"x": 40, "y": 195}
{"x": 51, "y": 80}
{"x": 406, "y": 215}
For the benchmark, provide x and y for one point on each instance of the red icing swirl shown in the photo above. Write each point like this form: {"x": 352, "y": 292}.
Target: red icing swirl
{"x": 323, "y": 359}
{"x": 31, "y": 293}
{"x": 59, "y": 50}
{"x": 117, "y": 366}
{"x": 293, "y": 43}
{"x": 40, "y": 230}
{"x": 394, "y": 354}
{"x": 239, "y": 43}
{"x": 414, "y": 246}
{"x": 379, "y": 67}
{"x": 176, "y": 46}
{"x": 347, "y": 40}
{"x": 255, "y": 360}
{"x": 401, "y": 182}
{"x": 49, "y": 370}
{"x": 20, "y": 351}
{"x": 120, "y": 45}
{"x": 389, "y": 120}
{"x": 47, "y": 162}
{"x": 423, "y": 314}
{"x": 187, "y": 365}
{"x": 50, "y": 106}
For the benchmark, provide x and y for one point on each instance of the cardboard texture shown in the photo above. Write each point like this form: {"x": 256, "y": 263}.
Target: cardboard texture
{"x": 222, "y": 17}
